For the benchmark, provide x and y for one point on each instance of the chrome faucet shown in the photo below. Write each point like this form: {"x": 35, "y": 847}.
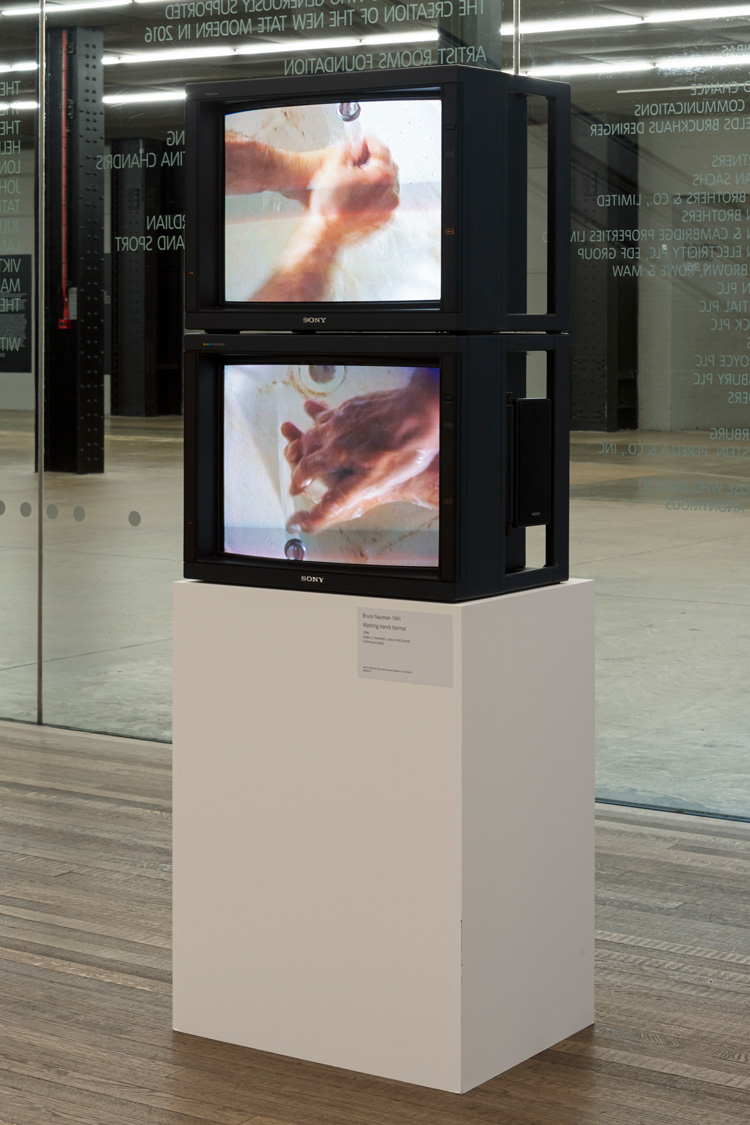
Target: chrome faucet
{"x": 349, "y": 111}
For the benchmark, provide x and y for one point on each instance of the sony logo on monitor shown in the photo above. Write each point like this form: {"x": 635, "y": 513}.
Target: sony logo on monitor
{"x": 310, "y": 578}
{"x": 313, "y": 320}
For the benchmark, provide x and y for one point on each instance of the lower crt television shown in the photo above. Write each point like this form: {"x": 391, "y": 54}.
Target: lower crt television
{"x": 410, "y": 466}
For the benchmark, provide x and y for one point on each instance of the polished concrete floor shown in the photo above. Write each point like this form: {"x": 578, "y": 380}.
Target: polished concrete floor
{"x": 673, "y": 617}
{"x": 85, "y": 957}
{"x": 112, "y": 549}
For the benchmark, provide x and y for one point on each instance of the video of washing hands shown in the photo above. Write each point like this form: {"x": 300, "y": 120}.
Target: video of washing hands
{"x": 338, "y": 202}
{"x": 332, "y": 463}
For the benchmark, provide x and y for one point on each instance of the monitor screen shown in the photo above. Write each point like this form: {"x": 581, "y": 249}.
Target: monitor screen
{"x": 337, "y": 202}
{"x": 332, "y": 463}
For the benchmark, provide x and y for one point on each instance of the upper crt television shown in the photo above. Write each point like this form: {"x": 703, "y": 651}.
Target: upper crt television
{"x": 404, "y": 466}
{"x": 393, "y": 201}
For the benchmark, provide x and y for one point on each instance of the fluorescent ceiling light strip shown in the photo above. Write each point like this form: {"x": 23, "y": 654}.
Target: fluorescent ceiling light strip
{"x": 545, "y": 27}
{"x": 298, "y": 45}
{"x": 179, "y": 53}
{"x": 720, "y": 12}
{"x": 597, "y": 23}
{"x": 170, "y": 55}
{"x": 696, "y": 62}
{"x": 19, "y": 105}
{"x": 655, "y": 89}
{"x": 400, "y": 37}
{"x": 430, "y": 36}
{"x": 140, "y": 99}
{"x": 677, "y": 62}
{"x": 588, "y": 68}
{"x": 52, "y": 9}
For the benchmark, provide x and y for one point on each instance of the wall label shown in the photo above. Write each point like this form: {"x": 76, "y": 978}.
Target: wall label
{"x": 415, "y": 648}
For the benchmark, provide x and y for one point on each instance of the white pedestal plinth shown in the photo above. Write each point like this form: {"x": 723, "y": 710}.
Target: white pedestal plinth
{"x": 390, "y": 877}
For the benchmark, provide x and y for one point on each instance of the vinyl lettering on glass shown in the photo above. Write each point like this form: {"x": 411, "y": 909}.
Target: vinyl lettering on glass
{"x": 16, "y": 231}
{"x": 677, "y": 232}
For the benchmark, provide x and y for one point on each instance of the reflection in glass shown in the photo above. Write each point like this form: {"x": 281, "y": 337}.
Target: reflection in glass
{"x": 661, "y": 393}
{"x": 18, "y": 482}
{"x": 108, "y": 575}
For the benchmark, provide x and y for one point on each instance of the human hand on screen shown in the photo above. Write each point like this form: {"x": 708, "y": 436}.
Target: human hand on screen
{"x": 355, "y": 191}
{"x": 371, "y": 450}
{"x": 252, "y": 166}
{"x": 352, "y": 193}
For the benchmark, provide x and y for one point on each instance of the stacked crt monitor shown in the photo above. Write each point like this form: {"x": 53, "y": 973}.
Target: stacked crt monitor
{"x": 361, "y": 415}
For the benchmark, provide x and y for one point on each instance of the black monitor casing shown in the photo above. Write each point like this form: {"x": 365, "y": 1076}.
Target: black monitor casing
{"x": 484, "y": 201}
{"x": 503, "y": 468}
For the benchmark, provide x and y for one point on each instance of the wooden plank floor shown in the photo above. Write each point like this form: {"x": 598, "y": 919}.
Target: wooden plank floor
{"x": 85, "y": 1032}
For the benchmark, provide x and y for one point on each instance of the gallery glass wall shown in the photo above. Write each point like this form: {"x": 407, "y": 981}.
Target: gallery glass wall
{"x": 661, "y": 355}
{"x": 661, "y": 382}
{"x": 19, "y": 531}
